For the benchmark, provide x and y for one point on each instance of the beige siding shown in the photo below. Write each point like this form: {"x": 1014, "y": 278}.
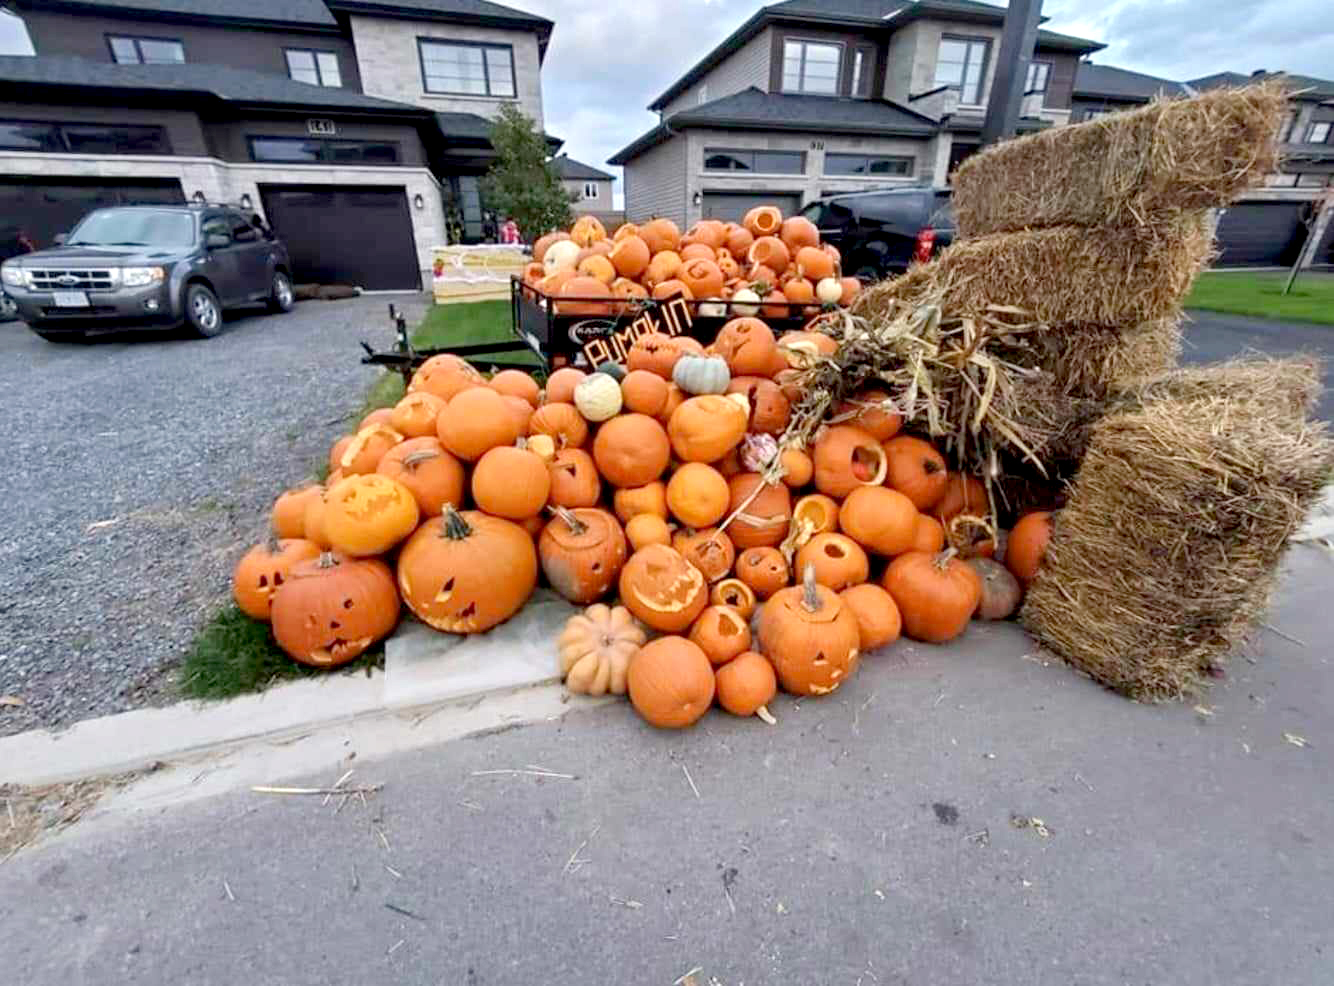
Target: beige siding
{"x": 746, "y": 67}
{"x": 655, "y": 182}
{"x": 602, "y": 203}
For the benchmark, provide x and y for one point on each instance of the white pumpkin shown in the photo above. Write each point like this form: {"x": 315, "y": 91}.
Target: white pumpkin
{"x": 598, "y": 397}
{"x": 560, "y": 256}
{"x": 741, "y": 302}
{"x": 712, "y": 308}
{"x": 829, "y": 290}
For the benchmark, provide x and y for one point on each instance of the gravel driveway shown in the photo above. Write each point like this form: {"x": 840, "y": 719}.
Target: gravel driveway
{"x": 133, "y": 471}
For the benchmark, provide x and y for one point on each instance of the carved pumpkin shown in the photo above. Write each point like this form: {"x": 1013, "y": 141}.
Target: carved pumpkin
{"x": 1028, "y": 545}
{"x": 745, "y": 686}
{"x": 561, "y": 384}
{"x": 630, "y": 256}
{"x": 879, "y": 519}
{"x": 511, "y": 482}
{"x": 662, "y": 268}
{"x": 770, "y": 252}
{"x": 963, "y": 495}
{"x": 582, "y": 552}
{"x": 368, "y": 515}
{"x": 662, "y": 589}
{"x": 706, "y": 428}
{"x": 655, "y": 352}
{"x": 516, "y": 383}
{"x": 643, "y": 392}
{"x": 971, "y": 536}
{"x": 467, "y": 572}
{"x": 445, "y": 376}
{"x": 263, "y": 569}
{"x": 331, "y": 609}
{"x": 936, "y": 595}
{"x": 588, "y": 230}
{"x": 365, "y": 450}
{"x": 710, "y": 232}
{"x": 811, "y": 637}
{"x": 709, "y": 550}
{"x": 798, "y": 468}
{"x": 803, "y": 350}
{"x": 838, "y": 561}
{"x": 431, "y": 475}
{"x": 763, "y": 220}
{"x": 697, "y": 495}
{"x": 929, "y": 535}
{"x": 631, "y": 450}
{"x": 629, "y": 293}
{"x": 289, "y": 511}
{"x": 763, "y": 511}
{"x": 646, "y": 529}
{"x": 544, "y": 242}
{"x": 916, "y": 470}
{"x": 748, "y": 346}
{"x": 562, "y": 422}
{"x": 670, "y": 683}
{"x": 765, "y": 570}
{"x": 817, "y": 511}
{"x": 595, "y": 650}
{"x": 671, "y": 288}
{"x": 701, "y": 374}
{"x": 476, "y": 421}
{"x": 660, "y": 235}
{"x": 702, "y": 276}
{"x": 870, "y": 412}
{"x": 598, "y": 397}
{"x": 574, "y": 480}
{"x": 651, "y": 498}
{"x": 415, "y": 416}
{"x": 1001, "y": 591}
{"x": 736, "y": 594}
{"x": 877, "y": 615}
{"x": 769, "y": 408}
{"x": 798, "y": 232}
{"x": 845, "y": 458}
{"x": 721, "y": 633}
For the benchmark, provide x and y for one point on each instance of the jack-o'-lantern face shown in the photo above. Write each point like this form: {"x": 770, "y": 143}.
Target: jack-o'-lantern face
{"x": 662, "y": 589}
{"x": 333, "y": 608}
{"x": 368, "y": 515}
{"x": 263, "y": 569}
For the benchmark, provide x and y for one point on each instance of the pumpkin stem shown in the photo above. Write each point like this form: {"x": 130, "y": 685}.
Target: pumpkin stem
{"x": 765, "y": 715}
{"x": 417, "y": 458}
{"x": 452, "y": 524}
{"x": 329, "y": 560}
{"x": 810, "y": 596}
{"x": 576, "y": 526}
{"x": 942, "y": 560}
{"x": 271, "y": 544}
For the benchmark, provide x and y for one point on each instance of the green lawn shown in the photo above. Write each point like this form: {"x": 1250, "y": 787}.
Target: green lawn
{"x": 1311, "y": 300}
{"x": 479, "y": 321}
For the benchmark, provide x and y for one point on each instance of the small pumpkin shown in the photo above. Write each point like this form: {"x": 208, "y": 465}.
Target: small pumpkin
{"x": 872, "y": 411}
{"x": 917, "y": 470}
{"x": 697, "y": 495}
{"x": 445, "y": 376}
{"x": 651, "y": 498}
{"x": 645, "y": 529}
{"x": 701, "y": 374}
{"x": 1028, "y": 545}
{"x": 476, "y": 421}
{"x": 312, "y": 521}
{"x": 332, "y": 609}
{"x": 599, "y": 267}
{"x": 630, "y": 293}
{"x": 838, "y": 561}
{"x": 737, "y": 240}
{"x": 736, "y": 594}
{"x": 798, "y": 468}
{"x": 582, "y": 552}
{"x": 431, "y": 474}
{"x": 561, "y": 385}
{"x": 662, "y": 589}
{"x": 936, "y": 595}
{"x": 643, "y": 392}
{"x": 929, "y": 535}
{"x": 847, "y": 457}
{"x": 877, "y": 615}
{"x": 709, "y": 550}
{"x": 467, "y": 572}
{"x": 769, "y": 407}
{"x": 880, "y": 520}
{"x": 670, "y": 682}
{"x": 631, "y": 450}
{"x": 721, "y": 633}
{"x": 765, "y": 570}
{"x": 596, "y": 648}
{"x": 562, "y": 422}
{"x": 851, "y": 288}
{"x": 289, "y": 511}
{"x": 818, "y": 511}
{"x": 1001, "y": 591}
{"x": 365, "y": 450}
{"x": 746, "y": 685}
{"x": 748, "y": 346}
{"x": 598, "y": 397}
{"x": 763, "y": 512}
{"x": 811, "y": 636}
{"x": 263, "y": 569}
{"x": 416, "y": 414}
{"x": 574, "y": 479}
{"x": 368, "y": 515}
{"x": 706, "y": 428}
{"x": 963, "y": 495}
{"x": 829, "y": 290}
{"x": 511, "y": 482}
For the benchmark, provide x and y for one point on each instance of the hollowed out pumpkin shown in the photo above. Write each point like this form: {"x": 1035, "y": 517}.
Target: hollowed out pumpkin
{"x": 445, "y": 376}
{"x": 662, "y": 589}
{"x": 697, "y": 495}
{"x": 671, "y": 288}
{"x": 709, "y": 550}
{"x": 574, "y": 479}
{"x": 651, "y": 498}
{"x": 770, "y": 252}
{"x": 664, "y": 266}
{"x": 562, "y": 422}
{"x": 670, "y": 683}
{"x": 721, "y": 633}
{"x": 811, "y": 637}
{"x": 289, "y": 511}
{"x": 706, "y": 428}
{"x": 467, "y": 572}
{"x": 332, "y": 609}
{"x": 599, "y": 267}
{"x": 263, "y": 569}
{"x": 363, "y": 453}
{"x": 769, "y": 408}
{"x": 763, "y": 511}
{"x": 736, "y": 594}
{"x": 368, "y": 515}
{"x": 765, "y": 570}
{"x": 916, "y": 470}
{"x": 588, "y": 230}
{"x": 763, "y": 220}
{"x": 415, "y": 416}
{"x": 838, "y": 561}
{"x": 475, "y": 422}
{"x": 631, "y": 450}
{"x": 511, "y": 482}
{"x": 655, "y": 352}
{"x": 516, "y": 383}
{"x": 880, "y": 520}
{"x": 582, "y": 552}
{"x": 748, "y": 345}
{"x": 431, "y": 474}
{"x": 877, "y": 615}
{"x": 798, "y": 232}
{"x": 561, "y": 385}
{"x": 936, "y": 595}
{"x": 847, "y": 457}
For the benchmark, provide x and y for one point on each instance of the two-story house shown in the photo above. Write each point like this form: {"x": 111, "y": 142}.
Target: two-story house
{"x": 809, "y": 97}
{"x": 589, "y": 188}
{"x": 358, "y": 129}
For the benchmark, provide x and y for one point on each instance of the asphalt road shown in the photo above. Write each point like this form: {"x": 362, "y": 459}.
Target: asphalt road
{"x": 872, "y": 837}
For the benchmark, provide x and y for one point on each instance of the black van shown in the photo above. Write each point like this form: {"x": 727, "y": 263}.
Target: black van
{"x": 881, "y": 233}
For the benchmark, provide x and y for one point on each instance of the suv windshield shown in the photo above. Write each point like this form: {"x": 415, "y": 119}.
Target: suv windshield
{"x": 134, "y": 227}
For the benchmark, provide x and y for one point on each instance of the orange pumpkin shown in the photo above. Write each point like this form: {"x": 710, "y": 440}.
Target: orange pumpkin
{"x": 936, "y": 595}
{"x": 660, "y": 235}
{"x": 737, "y": 241}
{"x": 963, "y": 495}
{"x": 703, "y": 277}
{"x": 851, "y": 288}
{"x": 643, "y": 392}
{"x": 971, "y": 536}
{"x": 838, "y": 561}
{"x": 877, "y": 615}
{"x": 916, "y": 470}
{"x": 431, "y": 475}
{"x": 748, "y": 345}
{"x": 561, "y": 385}
{"x": 803, "y": 349}
{"x": 770, "y": 252}
{"x": 746, "y": 685}
{"x": 670, "y": 683}
{"x": 671, "y": 288}
{"x": 695, "y": 251}
{"x": 624, "y": 230}
{"x": 582, "y": 552}
{"x": 445, "y": 376}
{"x": 522, "y": 411}
{"x": 645, "y": 529}
{"x": 629, "y": 292}
{"x": 721, "y": 633}
{"x": 332, "y": 609}
{"x": 630, "y": 256}
{"x": 706, "y": 428}
{"x": 765, "y": 511}
{"x": 662, "y": 589}
{"x": 599, "y": 267}
{"x": 631, "y": 450}
{"x": 651, "y": 498}
{"x": 810, "y": 635}
{"x": 798, "y": 232}
{"x": 476, "y": 421}
{"x": 847, "y": 457}
{"x": 312, "y": 521}
{"x": 365, "y": 450}
{"x": 710, "y": 232}
{"x": 655, "y": 352}
{"x": 584, "y": 295}
{"x": 511, "y": 482}
{"x": 516, "y": 383}
{"x": 879, "y": 519}
{"x": 870, "y": 413}
{"x": 1028, "y": 545}
{"x": 588, "y": 230}
{"x": 368, "y": 515}
{"x": 736, "y": 594}
{"x": 415, "y": 416}
{"x": 562, "y": 422}
{"x": 664, "y": 266}
{"x": 709, "y": 550}
{"x": 467, "y": 572}
{"x": 813, "y": 263}
{"x": 769, "y": 409}
{"x": 574, "y": 479}
{"x": 263, "y": 569}
{"x": 929, "y": 535}
{"x": 289, "y": 511}
{"x": 697, "y": 495}
{"x": 798, "y": 468}
{"x": 763, "y": 220}
{"x": 765, "y": 570}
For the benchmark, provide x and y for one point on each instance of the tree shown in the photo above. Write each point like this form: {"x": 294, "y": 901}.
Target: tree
{"x": 521, "y": 183}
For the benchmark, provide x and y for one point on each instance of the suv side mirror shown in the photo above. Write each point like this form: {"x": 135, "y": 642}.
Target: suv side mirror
{"x": 217, "y": 241}
{"x": 59, "y": 239}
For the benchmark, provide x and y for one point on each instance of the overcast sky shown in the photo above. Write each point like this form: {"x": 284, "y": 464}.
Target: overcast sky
{"x": 607, "y": 62}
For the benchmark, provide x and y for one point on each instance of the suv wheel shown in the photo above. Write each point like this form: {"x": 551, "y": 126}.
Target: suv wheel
{"x": 203, "y": 313}
{"x": 281, "y": 297}
{"x": 8, "y": 310}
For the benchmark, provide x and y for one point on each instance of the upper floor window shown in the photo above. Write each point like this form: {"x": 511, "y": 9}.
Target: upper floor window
{"x": 1318, "y": 133}
{"x": 868, "y": 165}
{"x": 703, "y": 96}
{"x": 862, "y": 66}
{"x": 319, "y": 68}
{"x": 1038, "y": 74}
{"x": 760, "y": 162}
{"x": 82, "y": 138}
{"x": 811, "y": 66}
{"x": 1285, "y": 129}
{"x": 467, "y": 69}
{"x": 305, "y": 150}
{"x": 590, "y": 189}
{"x": 146, "y": 51}
{"x": 962, "y": 65}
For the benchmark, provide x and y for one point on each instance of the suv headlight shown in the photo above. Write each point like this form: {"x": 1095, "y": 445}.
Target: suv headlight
{"x": 15, "y": 277}
{"x": 142, "y": 277}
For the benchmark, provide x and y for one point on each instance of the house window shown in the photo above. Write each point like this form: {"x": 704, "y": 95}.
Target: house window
{"x": 962, "y": 65}
{"x": 318, "y": 68}
{"x": 1038, "y": 74}
{"x": 590, "y": 189}
{"x": 467, "y": 69}
{"x": 146, "y": 51}
{"x": 16, "y": 135}
{"x": 1285, "y": 130}
{"x": 1318, "y": 133}
{"x": 758, "y": 162}
{"x": 82, "y": 138}
{"x": 868, "y": 166}
{"x": 811, "y": 67}
{"x": 302, "y": 150}
{"x": 1092, "y": 114}
{"x": 863, "y": 61}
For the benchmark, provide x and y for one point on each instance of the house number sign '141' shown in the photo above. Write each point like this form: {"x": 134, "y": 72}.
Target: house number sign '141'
{"x": 321, "y": 128}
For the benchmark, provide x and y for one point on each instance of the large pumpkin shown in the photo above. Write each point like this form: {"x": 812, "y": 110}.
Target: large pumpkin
{"x": 561, "y": 385}
{"x": 475, "y": 422}
{"x": 368, "y": 515}
{"x": 721, "y": 633}
{"x": 936, "y": 595}
{"x": 916, "y": 470}
{"x": 263, "y": 569}
{"x": 660, "y": 234}
{"x": 582, "y": 552}
{"x": 511, "y": 482}
{"x": 332, "y": 609}
{"x": 289, "y": 511}
{"x": 562, "y": 422}
{"x": 704, "y": 429}
{"x": 811, "y": 637}
{"x": 445, "y": 376}
{"x": 839, "y": 562}
{"x": 631, "y": 450}
{"x": 877, "y": 614}
{"x": 595, "y": 650}
{"x": 655, "y": 352}
{"x": 847, "y": 457}
{"x": 467, "y": 572}
{"x": 432, "y": 475}
{"x": 763, "y": 511}
{"x": 630, "y": 256}
{"x": 670, "y": 683}
{"x": 588, "y": 230}
{"x": 769, "y": 408}
{"x": 1028, "y": 545}
{"x": 880, "y": 520}
{"x": 574, "y": 479}
{"x": 697, "y": 495}
{"x": 748, "y": 345}
{"x": 662, "y": 589}
{"x": 709, "y": 550}
{"x": 415, "y": 416}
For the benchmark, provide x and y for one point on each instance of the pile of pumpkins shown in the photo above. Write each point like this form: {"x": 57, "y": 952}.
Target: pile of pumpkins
{"x": 664, "y": 498}
{"x": 763, "y": 265}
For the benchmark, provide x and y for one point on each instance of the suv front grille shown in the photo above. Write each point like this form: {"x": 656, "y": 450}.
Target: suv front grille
{"x": 74, "y": 279}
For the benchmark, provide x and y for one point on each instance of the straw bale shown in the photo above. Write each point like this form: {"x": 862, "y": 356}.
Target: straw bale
{"x": 1125, "y": 169}
{"x": 1167, "y": 550}
{"x": 1095, "y": 360}
{"x": 1284, "y": 387}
